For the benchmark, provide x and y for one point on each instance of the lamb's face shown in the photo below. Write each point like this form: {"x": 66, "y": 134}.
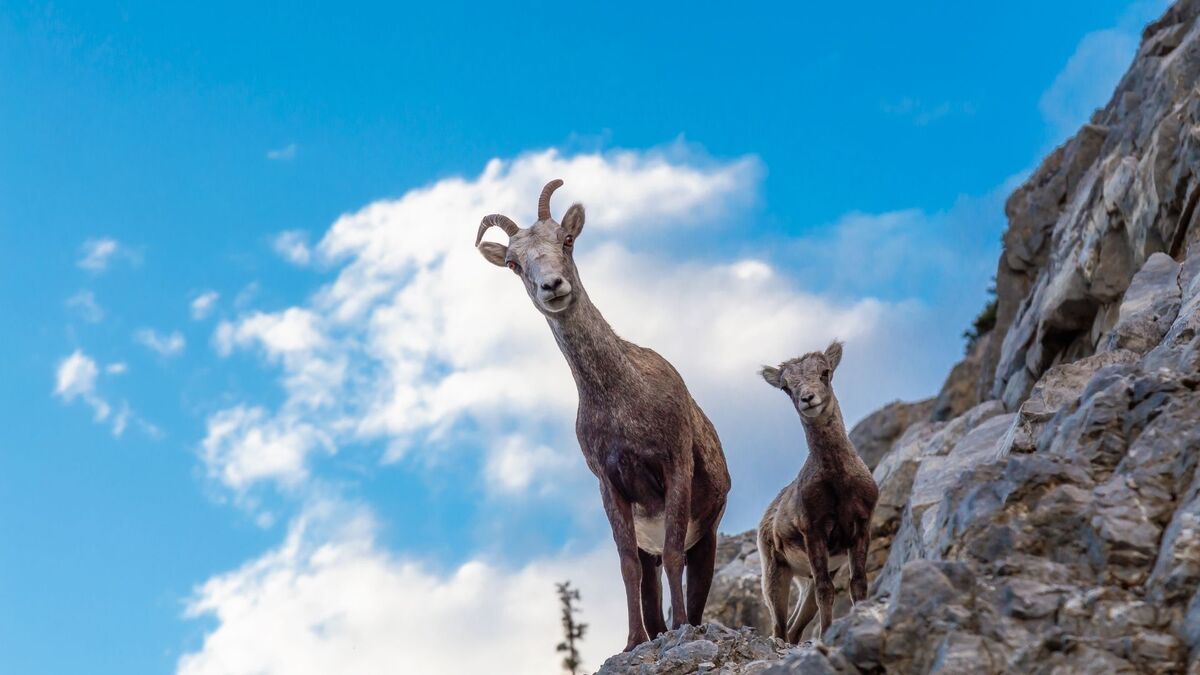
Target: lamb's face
{"x": 807, "y": 380}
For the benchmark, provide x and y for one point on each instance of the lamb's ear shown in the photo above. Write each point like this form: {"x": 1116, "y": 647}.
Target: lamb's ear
{"x": 493, "y": 252}
{"x": 834, "y": 354}
{"x": 573, "y": 221}
{"x": 773, "y": 376}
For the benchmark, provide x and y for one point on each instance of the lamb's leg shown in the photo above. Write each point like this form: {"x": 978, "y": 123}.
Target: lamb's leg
{"x": 701, "y": 559}
{"x": 818, "y": 558}
{"x": 620, "y": 517}
{"x": 678, "y": 506}
{"x": 777, "y": 589}
{"x": 858, "y": 563}
{"x": 805, "y": 609}
{"x": 652, "y": 609}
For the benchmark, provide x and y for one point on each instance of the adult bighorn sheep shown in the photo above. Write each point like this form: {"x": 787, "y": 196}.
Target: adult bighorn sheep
{"x": 822, "y": 514}
{"x": 659, "y": 462}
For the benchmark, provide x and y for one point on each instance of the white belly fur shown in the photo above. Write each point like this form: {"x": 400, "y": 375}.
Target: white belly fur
{"x": 651, "y": 532}
{"x": 801, "y": 568}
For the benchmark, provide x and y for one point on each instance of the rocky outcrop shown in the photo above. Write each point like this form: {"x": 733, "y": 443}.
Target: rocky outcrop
{"x": 736, "y": 596}
{"x": 711, "y": 648}
{"x": 1042, "y": 514}
{"x": 875, "y": 434}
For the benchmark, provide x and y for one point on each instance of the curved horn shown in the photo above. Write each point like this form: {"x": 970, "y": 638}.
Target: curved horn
{"x": 544, "y": 200}
{"x": 503, "y": 222}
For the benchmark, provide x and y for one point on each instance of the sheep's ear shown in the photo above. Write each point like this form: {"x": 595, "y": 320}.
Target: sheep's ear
{"x": 834, "y": 354}
{"x": 573, "y": 222}
{"x": 493, "y": 252}
{"x": 773, "y": 376}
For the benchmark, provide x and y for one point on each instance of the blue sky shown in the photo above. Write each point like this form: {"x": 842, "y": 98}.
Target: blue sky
{"x": 255, "y": 366}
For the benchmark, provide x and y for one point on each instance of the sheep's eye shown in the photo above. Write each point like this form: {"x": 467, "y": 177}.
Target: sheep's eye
{"x": 825, "y": 374}
{"x": 513, "y": 266}
{"x": 569, "y": 240}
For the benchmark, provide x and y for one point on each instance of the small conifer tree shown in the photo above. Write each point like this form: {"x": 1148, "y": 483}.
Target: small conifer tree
{"x": 572, "y": 631}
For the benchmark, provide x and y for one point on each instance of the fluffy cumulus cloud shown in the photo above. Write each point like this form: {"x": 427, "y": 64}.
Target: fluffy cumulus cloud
{"x": 416, "y": 342}
{"x": 164, "y": 344}
{"x": 330, "y": 599}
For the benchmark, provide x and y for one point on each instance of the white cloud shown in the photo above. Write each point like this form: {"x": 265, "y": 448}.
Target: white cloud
{"x": 1093, "y": 70}
{"x": 246, "y": 296}
{"x": 84, "y": 302}
{"x": 96, "y": 254}
{"x": 76, "y": 379}
{"x": 331, "y": 600}
{"x": 166, "y": 344}
{"x": 202, "y": 305}
{"x": 1087, "y": 80}
{"x": 118, "y": 368}
{"x": 515, "y": 461}
{"x": 292, "y": 245}
{"x": 245, "y": 445}
{"x": 284, "y": 154}
{"x": 910, "y": 253}
{"x": 922, "y": 113}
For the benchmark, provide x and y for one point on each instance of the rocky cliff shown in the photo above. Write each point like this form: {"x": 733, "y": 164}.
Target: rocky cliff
{"x": 1042, "y": 513}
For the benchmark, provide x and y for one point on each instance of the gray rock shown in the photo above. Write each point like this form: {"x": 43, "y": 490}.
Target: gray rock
{"x": 1149, "y": 306}
{"x": 960, "y": 392}
{"x": 874, "y": 435}
{"x": 711, "y": 648}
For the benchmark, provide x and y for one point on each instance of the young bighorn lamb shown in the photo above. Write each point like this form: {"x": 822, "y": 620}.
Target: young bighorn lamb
{"x": 826, "y": 511}
{"x": 659, "y": 462}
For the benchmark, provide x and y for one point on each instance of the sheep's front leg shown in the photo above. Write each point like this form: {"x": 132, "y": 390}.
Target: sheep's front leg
{"x": 620, "y": 518}
{"x": 818, "y": 559}
{"x": 652, "y": 610}
{"x": 805, "y": 610}
{"x": 858, "y": 563}
{"x": 678, "y": 510}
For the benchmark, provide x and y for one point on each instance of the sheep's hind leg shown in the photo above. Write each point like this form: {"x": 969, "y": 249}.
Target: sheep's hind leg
{"x": 701, "y": 560}
{"x": 777, "y": 589}
{"x": 805, "y": 610}
{"x": 678, "y": 503}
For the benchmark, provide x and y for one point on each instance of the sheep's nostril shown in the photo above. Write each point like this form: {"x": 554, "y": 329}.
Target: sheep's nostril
{"x": 807, "y": 398}
{"x": 552, "y": 285}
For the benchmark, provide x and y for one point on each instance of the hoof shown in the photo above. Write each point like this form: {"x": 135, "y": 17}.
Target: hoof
{"x": 634, "y": 641}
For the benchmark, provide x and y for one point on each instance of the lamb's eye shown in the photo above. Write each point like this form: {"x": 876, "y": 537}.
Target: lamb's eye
{"x": 825, "y": 373}
{"x": 569, "y": 240}
{"x": 513, "y": 266}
